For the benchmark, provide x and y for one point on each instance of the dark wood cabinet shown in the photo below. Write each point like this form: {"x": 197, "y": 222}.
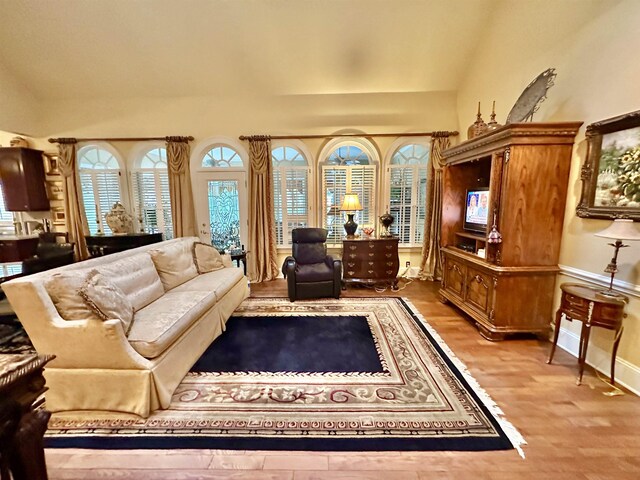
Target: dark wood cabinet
{"x": 99, "y": 245}
{"x": 16, "y": 248}
{"x": 23, "y": 181}
{"x": 24, "y": 421}
{"x": 370, "y": 261}
{"x": 507, "y": 287}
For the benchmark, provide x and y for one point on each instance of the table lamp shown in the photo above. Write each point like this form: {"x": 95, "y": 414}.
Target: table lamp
{"x": 350, "y": 204}
{"x": 620, "y": 229}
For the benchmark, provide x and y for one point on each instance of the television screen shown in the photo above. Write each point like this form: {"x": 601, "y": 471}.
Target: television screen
{"x": 476, "y": 212}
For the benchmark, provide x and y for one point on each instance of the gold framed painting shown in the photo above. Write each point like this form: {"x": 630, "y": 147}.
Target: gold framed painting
{"x": 55, "y": 190}
{"x": 51, "y": 166}
{"x": 58, "y": 216}
{"x": 611, "y": 173}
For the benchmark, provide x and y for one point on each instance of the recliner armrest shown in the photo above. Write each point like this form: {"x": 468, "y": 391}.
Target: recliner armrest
{"x": 289, "y": 265}
{"x": 336, "y": 264}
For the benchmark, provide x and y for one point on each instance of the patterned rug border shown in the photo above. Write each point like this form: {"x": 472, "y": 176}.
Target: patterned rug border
{"x": 511, "y": 438}
{"x": 515, "y": 437}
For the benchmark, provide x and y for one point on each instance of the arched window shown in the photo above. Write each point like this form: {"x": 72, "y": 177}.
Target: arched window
{"x": 100, "y": 175}
{"x": 407, "y": 192}
{"x": 347, "y": 168}
{"x": 150, "y": 187}
{"x": 222, "y": 156}
{"x": 290, "y": 191}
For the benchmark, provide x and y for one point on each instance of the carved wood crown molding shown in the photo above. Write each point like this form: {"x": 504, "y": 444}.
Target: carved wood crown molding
{"x": 37, "y": 362}
{"x": 516, "y": 130}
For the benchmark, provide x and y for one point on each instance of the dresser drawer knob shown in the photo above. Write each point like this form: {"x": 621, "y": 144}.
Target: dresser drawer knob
{"x": 372, "y": 245}
{"x": 351, "y": 272}
{"x": 352, "y": 247}
{"x": 389, "y": 272}
{"x": 352, "y": 255}
{"x": 389, "y": 264}
{"x": 389, "y": 247}
{"x": 351, "y": 264}
{"x": 388, "y": 255}
{"x": 371, "y": 264}
{"x": 371, "y": 254}
{"x": 370, "y": 271}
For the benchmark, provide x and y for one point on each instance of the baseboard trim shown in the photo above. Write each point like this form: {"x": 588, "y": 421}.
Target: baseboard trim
{"x": 627, "y": 374}
{"x": 601, "y": 280}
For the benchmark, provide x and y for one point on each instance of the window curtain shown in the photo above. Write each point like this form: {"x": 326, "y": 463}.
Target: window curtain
{"x": 431, "y": 263}
{"x": 75, "y": 218}
{"x": 180, "y": 192}
{"x": 262, "y": 233}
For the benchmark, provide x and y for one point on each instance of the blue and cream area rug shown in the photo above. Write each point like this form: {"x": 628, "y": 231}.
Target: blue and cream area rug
{"x": 337, "y": 375}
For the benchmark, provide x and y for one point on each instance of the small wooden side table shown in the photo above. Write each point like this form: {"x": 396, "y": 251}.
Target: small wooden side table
{"x": 587, "y": 305}
{"x": 22, "y": 423}
{"x": 238, "y": 255}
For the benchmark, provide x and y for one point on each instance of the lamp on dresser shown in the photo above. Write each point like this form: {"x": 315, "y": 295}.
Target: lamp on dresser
{"x": 350, "y": 205}
{"x": 619, "y": 230}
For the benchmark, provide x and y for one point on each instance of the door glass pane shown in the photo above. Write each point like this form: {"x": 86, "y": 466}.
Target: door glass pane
{"x": 224, "y": 213}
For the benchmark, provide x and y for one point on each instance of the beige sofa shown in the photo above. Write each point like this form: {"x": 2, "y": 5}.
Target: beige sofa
{"x": 97, "y": 367}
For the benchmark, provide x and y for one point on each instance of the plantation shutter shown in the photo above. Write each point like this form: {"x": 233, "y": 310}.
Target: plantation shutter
{"x": 400, "y": 204}
{"x": 166, "y": 204}
{"x": 296, "y": 198}
{"x": 145, "y": 200}
{"x": 421, "y": 208}
{"x": 108, "y": 187}
{"x": 277, "y": 204}
{"x": 334, "y": 188}
{"x": 100, "y": 190}
{"x": 151, "y": 201}
{"x": 89, "y": 201}
{"x": 363, "y": 182}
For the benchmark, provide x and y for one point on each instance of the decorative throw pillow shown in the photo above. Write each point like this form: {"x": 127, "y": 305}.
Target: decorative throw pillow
{"x": 64, "y": 290}
{"x": 107, "y": 300}
{"x": 206, "y": 258}
{"x": 174, "y": 263}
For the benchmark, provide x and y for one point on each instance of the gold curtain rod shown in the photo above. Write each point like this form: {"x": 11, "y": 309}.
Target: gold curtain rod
{"x": 120, "y": 139}
{"x": 337, "y": 135}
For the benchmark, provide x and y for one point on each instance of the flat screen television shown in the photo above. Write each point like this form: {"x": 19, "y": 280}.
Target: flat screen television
{"x": 476, "y": 211}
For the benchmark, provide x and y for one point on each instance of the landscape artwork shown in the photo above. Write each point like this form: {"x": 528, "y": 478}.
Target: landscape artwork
{"x": 618, "y": 183}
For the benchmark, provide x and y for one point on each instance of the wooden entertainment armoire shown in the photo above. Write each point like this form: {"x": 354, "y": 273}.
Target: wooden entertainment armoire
{"x": 526, "y": 168}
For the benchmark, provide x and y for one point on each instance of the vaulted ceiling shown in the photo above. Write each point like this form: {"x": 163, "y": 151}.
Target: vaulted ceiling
{"x": 62, "y": 49}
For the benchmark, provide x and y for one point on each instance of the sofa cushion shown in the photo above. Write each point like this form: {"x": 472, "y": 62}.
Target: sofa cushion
{"x": 106, "y": 299}
{"x": 206, "y": 258}
{"x": 64, "y": 288}
{"x": 137, "y": 277}
{"x": 174, "y": 263}
{"x": 161, "y": 323}
{"x": 219, "y": 282}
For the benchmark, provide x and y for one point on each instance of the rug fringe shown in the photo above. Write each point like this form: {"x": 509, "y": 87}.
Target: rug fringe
{"x": 515, "y": 437}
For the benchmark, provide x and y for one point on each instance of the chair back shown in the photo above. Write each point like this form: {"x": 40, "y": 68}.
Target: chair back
{"x": 309, "y": 245}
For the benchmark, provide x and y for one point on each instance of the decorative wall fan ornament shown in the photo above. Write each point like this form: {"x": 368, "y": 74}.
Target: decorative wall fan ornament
{"x": 529, "y": 101}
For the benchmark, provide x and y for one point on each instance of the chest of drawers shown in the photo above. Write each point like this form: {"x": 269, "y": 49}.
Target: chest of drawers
{"x": 370, "y": 261}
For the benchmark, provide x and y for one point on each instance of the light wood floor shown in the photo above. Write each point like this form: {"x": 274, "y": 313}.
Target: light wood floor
{"x": 572, "y": 432}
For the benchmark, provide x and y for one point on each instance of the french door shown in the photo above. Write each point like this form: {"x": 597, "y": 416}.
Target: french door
{"x": 221, "y": 209}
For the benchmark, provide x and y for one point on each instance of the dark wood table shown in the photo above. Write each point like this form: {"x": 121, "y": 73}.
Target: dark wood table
{"x": 22, "y": 423}
{"x": 589, "y": 306}
{"x": 99, "y": 245}
{"x": 238, "y": 255}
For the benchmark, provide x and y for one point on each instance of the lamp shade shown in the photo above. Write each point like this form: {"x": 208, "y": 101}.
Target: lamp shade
{"x": 620, "y": 229}
{"x": 351, "y": 203}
